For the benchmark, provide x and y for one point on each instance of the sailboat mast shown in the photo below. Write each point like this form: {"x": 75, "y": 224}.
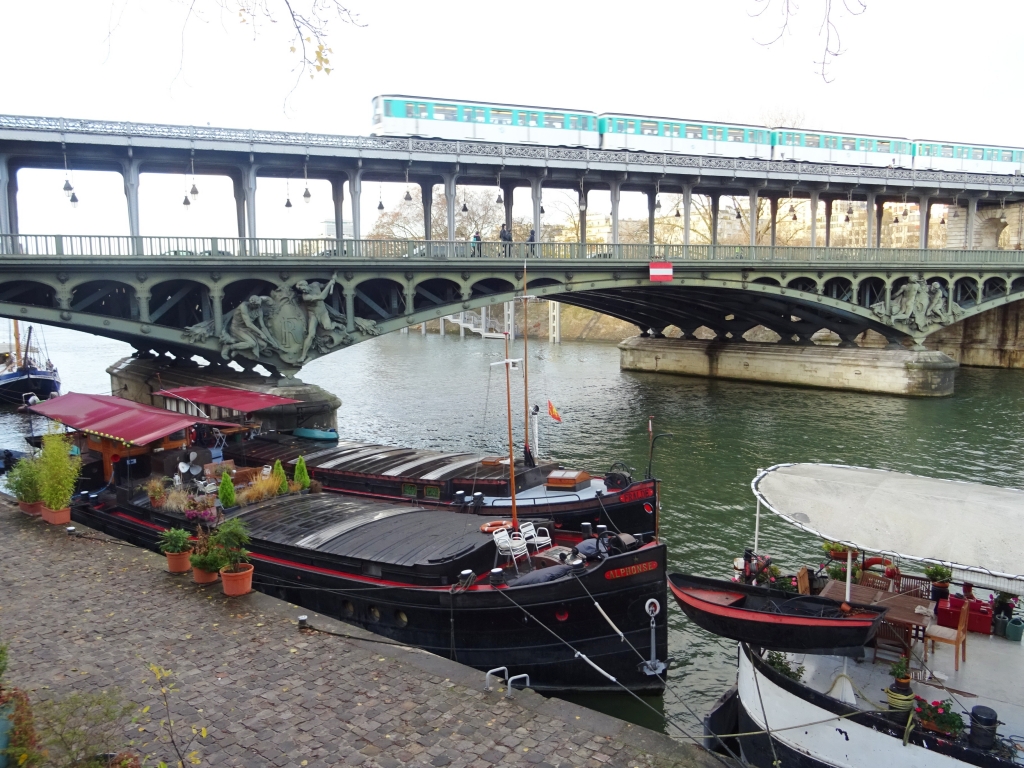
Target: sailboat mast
{"x": 511, "y": 445}
{"x": 17, "y": 344}
{"x": 526, "y": 369}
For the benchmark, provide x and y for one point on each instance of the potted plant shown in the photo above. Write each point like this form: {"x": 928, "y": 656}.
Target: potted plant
{"x": 200, "y": 510}
{"x": 837, "y": 571}
{"x": 938, "y": 716}
{"x": 207, "y": 559}
{"x": 226, "y": 492}
{"x": 157, "y": 492}
{"x": 282, "y": 478}
{"x": 1004, "y": 604}
{"x": 939, "y": 575}
{"x": 58, "y": 473}
{"x": 19, "y": 743}
{"x": 231, "y": 537}
{"x": 301, "y": 474}
{"x": 838, "y": 551}
{"x": 899, "y": 694}
{"x": 315, "y": 486}
{"x": 23, "y": 480}
{"x": 176, "y": 544}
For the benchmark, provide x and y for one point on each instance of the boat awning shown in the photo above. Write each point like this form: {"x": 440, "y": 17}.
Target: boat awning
{"x": 117, "y": 418}
{"x": 972, "y": 528}
{"x": 242, "y": 400}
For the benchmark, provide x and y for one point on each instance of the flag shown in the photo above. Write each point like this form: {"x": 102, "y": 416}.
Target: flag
{"x": 553, "y": 412}
{"x": 661, "y": 271}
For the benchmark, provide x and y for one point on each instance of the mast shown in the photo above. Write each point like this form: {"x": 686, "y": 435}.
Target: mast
{"x": 511, "y": 445}
{"x": 28, "y": 346}
{"x": 17, "y": 344}
{"x": 527, "y": 454}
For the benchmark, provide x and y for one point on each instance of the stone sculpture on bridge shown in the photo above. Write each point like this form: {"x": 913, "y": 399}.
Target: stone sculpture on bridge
{"x": 919, "y": 306}
{"x": 293, "y": 323}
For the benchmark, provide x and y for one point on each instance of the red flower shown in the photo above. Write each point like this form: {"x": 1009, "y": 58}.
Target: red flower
{"x": 918, "y": 709}
{"x": 936, "y": 703}
{"x": 941, "y": 711}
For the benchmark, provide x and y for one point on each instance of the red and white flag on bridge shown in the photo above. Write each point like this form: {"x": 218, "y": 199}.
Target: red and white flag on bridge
{"x": 661, "y": 271}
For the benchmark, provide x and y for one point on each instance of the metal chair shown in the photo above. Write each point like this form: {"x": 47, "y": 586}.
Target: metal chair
{"x": 511, "y": 545}
{"x": 955, "y": 637}
{"x": 538, "y": 537}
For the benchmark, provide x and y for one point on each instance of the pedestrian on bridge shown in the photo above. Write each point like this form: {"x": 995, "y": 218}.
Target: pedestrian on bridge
{"x": 475, "y": 250}
{"x": 506, "y": 237}
{"x": 532, "y": 239}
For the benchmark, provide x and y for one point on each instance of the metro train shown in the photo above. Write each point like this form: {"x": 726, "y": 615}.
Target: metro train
{"x": 428, "y": 117}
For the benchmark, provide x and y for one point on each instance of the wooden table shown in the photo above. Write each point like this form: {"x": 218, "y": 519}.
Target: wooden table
{"x": 836, "y": 590}
{"x": 905, "y": 624}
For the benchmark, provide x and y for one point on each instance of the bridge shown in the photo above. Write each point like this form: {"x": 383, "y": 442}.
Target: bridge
{"x": 286, "y": 302}
{"x": 245, "y": 156}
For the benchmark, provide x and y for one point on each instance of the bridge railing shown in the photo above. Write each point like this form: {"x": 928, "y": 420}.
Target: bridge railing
{"x": 227, "y": 248}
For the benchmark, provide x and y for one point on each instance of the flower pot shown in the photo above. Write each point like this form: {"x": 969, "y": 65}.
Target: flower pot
{"x": 31, "y": 507}
{"x": 199, "y": 576}
{"x": 1015, "y": 630}
{"x": 940, "y": 590}
{"x": 57, "y": 516}
{"x": 901, "y": 684}
{"x": 156, "y": 503}
{"x": 237, "y": 583}
{"x": 999, "y": 626}
{"x": 177, "y": 562}
{"x": 6, "y": 725}
{"x": 835, "y": 554}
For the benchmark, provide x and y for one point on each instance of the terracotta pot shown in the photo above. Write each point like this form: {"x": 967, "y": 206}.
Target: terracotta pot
{"x": 237, "y": 583}
{"x": 835, "y": 554}
{"x": 199, "y": 576}
{"x": 177, "y": 562}
{"x": 57, "y": 516}
{"x": 156, "y": 503}
{"x": 31, "y": 507}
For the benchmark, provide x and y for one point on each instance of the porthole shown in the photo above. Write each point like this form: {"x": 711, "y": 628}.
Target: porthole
{"x": 401, "y": 619}
{"x": 374, "y": 613}
{"x": 347, "y": 608}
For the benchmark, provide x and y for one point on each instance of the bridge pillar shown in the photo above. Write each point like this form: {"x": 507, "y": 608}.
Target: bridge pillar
{"x": 774, "y": 210}
{"x": 5, "y": 180}
{"x": 535, "y": 196}
{"x": 879, "y": 212}
{"x": 828, "y": 220}
{"x": 350, "y": 308}
{"x": 249, "y": 186}
{"x": 687, "y": 202}
{"x": 814, "y": 218}
{"x": 652, "y": 202}
{"x": 869, "y": 220}
{"x": 507, "y": 191}
{"x": 753, "y": 219}
{"x": 355, "y": 189}
{"x": 142, "y": 297}
{"x": 449, "y": 199}
{"x": 554, "y": 322}
{"x": 427, "y": 195}
{"x": 925, "y": 215}
{"x": 338, "y": 196}
{"x": 614, "y": 191}
{"x": 715, "y": 200}
{"x": 236, "y": 182}
{"x": 972, "y": 215}
{"x": 10, "y": 200}
{"x": 130, "y": 175}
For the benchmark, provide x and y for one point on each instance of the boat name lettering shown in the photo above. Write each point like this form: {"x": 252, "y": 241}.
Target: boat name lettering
{"x": 635, "y": 494}
{"x": 631, "y": 570}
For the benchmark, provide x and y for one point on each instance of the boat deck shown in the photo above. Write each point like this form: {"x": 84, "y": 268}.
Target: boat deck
{"x": 993, "y": 676}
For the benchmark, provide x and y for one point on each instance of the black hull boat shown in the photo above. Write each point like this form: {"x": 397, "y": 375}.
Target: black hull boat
{"x": 400, "y": 571}
{"x": 463, "y": 482}
{"x": 774, "y": 619}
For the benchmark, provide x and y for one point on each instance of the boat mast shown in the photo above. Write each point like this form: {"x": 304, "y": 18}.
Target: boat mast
{"x": 511, "y": 445}
{"x": 17, "y": 344}
{"x": 527, "y": 454}
{"x": 28, "y": 345}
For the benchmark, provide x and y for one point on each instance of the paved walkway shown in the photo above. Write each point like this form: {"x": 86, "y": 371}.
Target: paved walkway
{"x": 88, "y": 615}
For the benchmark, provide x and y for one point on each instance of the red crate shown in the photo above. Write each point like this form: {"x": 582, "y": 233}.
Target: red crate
{"x": 978, "y": 620}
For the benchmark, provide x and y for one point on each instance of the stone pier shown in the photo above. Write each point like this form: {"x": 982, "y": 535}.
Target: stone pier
{"x": 916, "y": 373}
{"x": 139, "y": 378}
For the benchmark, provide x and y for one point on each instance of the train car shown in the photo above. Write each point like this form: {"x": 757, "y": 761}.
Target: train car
{"x": 661, "y": 134}
{"x": 428, "y": 117}
{"x": 972, "y": 158}
{"x": 847, "y": 148}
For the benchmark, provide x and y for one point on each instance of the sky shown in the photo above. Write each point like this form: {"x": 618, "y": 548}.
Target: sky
{"x": 937, "y": 70}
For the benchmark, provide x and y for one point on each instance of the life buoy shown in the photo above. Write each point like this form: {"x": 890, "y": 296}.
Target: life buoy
{"x": 871, "y": 562}
{"x": 496, "y": 525}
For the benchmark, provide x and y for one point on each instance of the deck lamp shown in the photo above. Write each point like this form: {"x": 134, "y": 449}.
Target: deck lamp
{"x": 68, "y": 188}
{"x": 186, "y": 202}
{"x": 408, "y": 197}
{"x": 306, "y": 196}
{"x": 74, "y": 200}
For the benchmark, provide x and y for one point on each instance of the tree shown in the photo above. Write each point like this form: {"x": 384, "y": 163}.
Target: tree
{"x": 483, "y": 214}
{"x": 833, "y": 46}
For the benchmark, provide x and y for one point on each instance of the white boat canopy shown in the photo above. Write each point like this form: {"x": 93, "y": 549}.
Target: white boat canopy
{"x": 972, "y": 528}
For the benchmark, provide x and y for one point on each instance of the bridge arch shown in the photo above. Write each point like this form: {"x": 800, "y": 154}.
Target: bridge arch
{"x": 840, "y": 288}
{"x": 240, "y": 290}
{"x": 379, "y": 299}
{"x": 436, "y": 292}
{"x": 965, "y": 292}
{"x": 179, "y": 303}
{"x": 491, "y": 286}
{"x": 35, "y": 293}
{"x": 803, "y": 283}
{"x": 110, "y": 298}
{"x": 870, "y": 290}
{"x": 766, "y": 281}
{"x": 993, "y": 288}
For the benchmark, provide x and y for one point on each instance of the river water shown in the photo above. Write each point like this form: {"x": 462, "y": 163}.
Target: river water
{"x": 444, "y": 393}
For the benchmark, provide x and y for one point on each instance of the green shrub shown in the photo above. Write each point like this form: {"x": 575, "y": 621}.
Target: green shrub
{"x": 58, "y": 469}
{"x": 175, "y": 540}
{"x": 784, "y": 666}
{"x": 278, "y": 472}
{"x": 231, "y": 537}
{"x": 301, "y": 473}
{"x": 227, "y": 492}
{"x": 23, "y": 480}
{"x": 938, "y": 573}
{"x": 211, "y": 560}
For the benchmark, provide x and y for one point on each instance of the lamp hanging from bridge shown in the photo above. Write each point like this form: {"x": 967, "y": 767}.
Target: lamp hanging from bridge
{"x": 195, "y": 190}
{"x": 287, "y": 194}
{"x": 677, "y": 212}
{"x": 465, "y": 208}
{"x": 942, "y": 221}
{"x": 306, "y": 197}
{"x": 792, "y": 210}
{"x": 408, "y": 196}
{"x": 738, "y": 214}
{"x": 68, "y": 189}
{"x": 657, "y": 204}
{"x": 896, "y": 219}
{"x": 380, "y": 197}
{"x": 847, "y": 219}
{"x": 74, "y": 200}
{"x": 542, "y": 209}
{"x": 186, "y": 202}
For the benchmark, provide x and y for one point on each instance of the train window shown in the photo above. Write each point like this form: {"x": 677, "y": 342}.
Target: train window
{"x": 977, "y": 154}
{"x": 737, "y": 134}
{"x": 946, "y": 150}
{"x": 1007, "y": 156}
{"x": 631, "y": 126}
{"x": 554, "y": 120}
{"x": 883, "y": 146}
{"x": 575, "y": 122}
{"x": 673, "y": 130}
{"x": 474, "y": 115}
{"x": 534, "y": 119}
{"x": 812, "y": 140}
{"x": 830, "y": 142}
{"x": 415, "y": 110}
{"x": 694, "y": 132}
{"x": 649, "y": 127}
{"x": 717, "y": 133}
{"x": 445, "y": 112}
{"x": 501, "y": 116}
{"x": 520, "y": 118}
{"x": 849, "y": 143}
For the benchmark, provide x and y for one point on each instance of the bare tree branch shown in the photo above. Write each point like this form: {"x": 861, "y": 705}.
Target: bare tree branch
{"x": 833, "y": 44}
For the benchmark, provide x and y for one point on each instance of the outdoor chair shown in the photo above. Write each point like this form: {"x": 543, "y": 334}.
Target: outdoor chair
{"x": 511, "y": 545}
{"x": 918, "y": 586}
{"x": 538, "y": 537}
{"x": 875, "y": 581}
{"x": 803, "y": 581}
{"x": 955, "y": 637}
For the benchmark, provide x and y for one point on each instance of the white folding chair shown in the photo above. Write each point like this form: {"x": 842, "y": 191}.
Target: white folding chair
{"x": 267, "y": 469}
{"x": 538, "y": 537}
{"x": 510, "y": 545}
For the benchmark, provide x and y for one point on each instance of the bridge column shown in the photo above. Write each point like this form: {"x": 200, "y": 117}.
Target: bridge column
{"x": 814, "y": 218}
{"x": 535, "y": 196}
{"x": 338, "y": 196}
{"x": 614, "y": 191}
{"x": 715, "y": 200}
{"x": 879, "y": 212}
{"x": 130, "y": 175}
{"x": 5, "y": 216}
{"x": 236, "y": 182}
{"x": 507, "y": 192}
{"x": 350, "y": 307}
{"x": 925, "y": 205}
{"x": 583, "y": 215}
{"x": 249, "y": 184}
{"x": 869, "y": 220}
{"x": 972, "y": 215}
{"x": 10, "y": 200}
{"x": 752, "y": 193}
{"x": 652, "y": 201}
{"x": 687, "y": 202}
{"x": 828, "y": 221}
{"x": 554, "y": 322}
{"x": 774, "y": 212}
{"x": 142, "y": 297}
{"x": 449, "y": 198}
{"x": 427, "y": 195}
{"x": 355, "y": 189}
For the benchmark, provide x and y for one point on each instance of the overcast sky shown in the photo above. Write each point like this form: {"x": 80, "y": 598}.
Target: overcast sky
{"x": 939, "y": 69}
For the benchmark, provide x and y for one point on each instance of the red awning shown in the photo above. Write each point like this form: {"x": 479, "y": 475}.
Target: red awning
{"x": 242, "y": 400}
{"x": 117, "y": 418}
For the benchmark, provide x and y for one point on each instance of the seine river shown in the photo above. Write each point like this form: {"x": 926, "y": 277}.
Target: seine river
{"x": 443, "y": 393}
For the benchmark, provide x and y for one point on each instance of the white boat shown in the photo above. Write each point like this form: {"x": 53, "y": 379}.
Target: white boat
{"x": 837, "y": 714}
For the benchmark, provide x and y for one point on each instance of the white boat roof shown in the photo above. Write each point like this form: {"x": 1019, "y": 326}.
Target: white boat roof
{"x": 974, "y": 529}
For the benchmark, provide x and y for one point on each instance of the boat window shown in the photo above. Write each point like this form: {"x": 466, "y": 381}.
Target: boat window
{"x": 694, "y": 132}
{"x": 554, "y": 120}
{"x": 445, "y": 112}
{"x": 648, "y": 128}
{"x": 736, "y": 134}
{"x": 501, "y": 116}
{"x": 849, "y": 143}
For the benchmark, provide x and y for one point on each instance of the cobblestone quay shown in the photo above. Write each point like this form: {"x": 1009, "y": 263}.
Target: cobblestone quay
{"x": 88, "y": 615}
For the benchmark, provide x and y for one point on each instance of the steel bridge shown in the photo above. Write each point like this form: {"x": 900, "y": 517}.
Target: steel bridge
{"x": 247, "y": 155}
{"x": 308, "y": 298}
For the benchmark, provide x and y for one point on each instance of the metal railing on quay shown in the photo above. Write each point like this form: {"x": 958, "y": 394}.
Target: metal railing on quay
{"x": 331, "y": 249}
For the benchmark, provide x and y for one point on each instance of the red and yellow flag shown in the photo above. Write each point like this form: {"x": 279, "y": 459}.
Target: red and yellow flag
{"x": 553, "y": 412}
